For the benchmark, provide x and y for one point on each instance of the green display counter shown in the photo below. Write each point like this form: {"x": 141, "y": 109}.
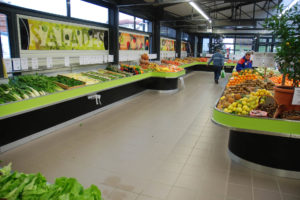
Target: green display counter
{"x": 268, "y": 145}
{"x": 37, "y": 102}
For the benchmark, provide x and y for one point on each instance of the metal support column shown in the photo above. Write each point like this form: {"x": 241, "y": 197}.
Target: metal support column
{"x": 114, "y": 33}
{"x": 155, "y": 40}
{"x": 178, "y": 42}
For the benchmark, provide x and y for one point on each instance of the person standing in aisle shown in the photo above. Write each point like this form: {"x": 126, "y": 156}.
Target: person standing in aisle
{"x": 218, "y": 63}
{"x": 244, "y": 62}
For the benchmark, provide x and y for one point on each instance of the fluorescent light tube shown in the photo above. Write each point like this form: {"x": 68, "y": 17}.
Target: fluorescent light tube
{"x": 200, "y": 11}
{"x": 289, "y": 7}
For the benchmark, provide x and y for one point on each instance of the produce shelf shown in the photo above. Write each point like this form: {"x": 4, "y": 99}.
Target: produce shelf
{"x": 14, "y": 108}
{"x": 264, "y": 144}
{"x": 276, "y": 127}
{"x": 204, "y": 63}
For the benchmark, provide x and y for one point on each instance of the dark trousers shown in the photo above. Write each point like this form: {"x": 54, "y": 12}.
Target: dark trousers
{"x": 217, "y": 71}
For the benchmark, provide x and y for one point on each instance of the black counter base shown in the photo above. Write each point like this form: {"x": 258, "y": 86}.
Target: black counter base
{"x": 266, "y": 150}
{"x": 26, "y": 124}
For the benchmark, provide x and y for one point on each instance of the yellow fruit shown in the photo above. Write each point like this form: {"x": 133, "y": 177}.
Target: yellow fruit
{"x": 226, "y": 110}
{"x": 244, "y": 112}
{"x": 239, "y": 105}
{"x": 244, "y": 102}
{"x": 245, "y": 107}
{"x": 239, "y": 109}
{"x": 223, "y": 97}
{"x": 234, "y": 104}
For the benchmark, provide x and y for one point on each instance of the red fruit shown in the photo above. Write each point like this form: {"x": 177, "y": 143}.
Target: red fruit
{"x": 134, "y": 40}
{"x": 141, "y": 46}
{"x": 128, "y": 45}
{"x": 147, "y": 43}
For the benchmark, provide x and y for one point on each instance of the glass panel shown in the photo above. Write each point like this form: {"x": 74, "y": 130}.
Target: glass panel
{"x": 163, "y": 30}
{"x": 88, "y": 11}
{"x": 269, "y": 48}
{"x": 262, "y": 49}
{"x": 172, "y": 32}
{"x": 263, "y": 40}
{"x": 126, "y": 21}
{"x": 4, "y": 36}
{"x": 139, "y": 24}
{"x": 228, "y": 40}
{"x": 243, "y": 48}
{"x": 205, "y": 46}
{"x": 58, "y": 7}
{"x": 244, "y": 40}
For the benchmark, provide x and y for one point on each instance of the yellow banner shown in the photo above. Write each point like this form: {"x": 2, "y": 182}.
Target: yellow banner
{"x": 43, "y": 35}
{"x": 167, "y": 45}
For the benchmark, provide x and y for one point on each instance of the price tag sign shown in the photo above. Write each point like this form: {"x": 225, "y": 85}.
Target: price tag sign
{"x": 16, "y": 64}
{"x": 296, "y": 97}
{"x": 49, "y": 62}
{"x": 34, "y": 63}
{"x": 8, "y": 65}
{"x": 111, "y": 58}
{"x": 67, "y": 61}
{"x": 24, "y": 63}
{"x": 104, "y": 58}
{"x": 81, "y": 60}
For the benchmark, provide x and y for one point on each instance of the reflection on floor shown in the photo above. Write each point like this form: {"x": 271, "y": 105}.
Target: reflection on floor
{"x": 154, "y": 147}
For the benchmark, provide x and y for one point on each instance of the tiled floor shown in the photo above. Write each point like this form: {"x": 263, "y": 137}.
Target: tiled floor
{"x": 153, "y": 147}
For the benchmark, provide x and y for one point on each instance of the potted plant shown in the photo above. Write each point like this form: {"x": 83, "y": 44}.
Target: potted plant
{"x": 286, "y": 27}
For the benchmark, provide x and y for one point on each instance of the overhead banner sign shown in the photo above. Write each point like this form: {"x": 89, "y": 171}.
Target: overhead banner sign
{"x": 167, "y": 45}
{"x": 128, "y": 41}
{"x": 39, "y": 34}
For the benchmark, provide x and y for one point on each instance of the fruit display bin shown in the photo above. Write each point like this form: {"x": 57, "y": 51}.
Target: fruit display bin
{"x": 264, "y": 144}
{"x": 22, "y": 121}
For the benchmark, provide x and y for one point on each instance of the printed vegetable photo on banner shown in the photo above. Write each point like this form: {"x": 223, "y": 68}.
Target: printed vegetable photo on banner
{"x": 167, "y": 45}
{"x": 128, "y": 41}
{"x": 44, "y": 35}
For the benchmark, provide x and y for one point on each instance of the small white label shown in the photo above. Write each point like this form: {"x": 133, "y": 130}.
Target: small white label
{"x": 34, "y": 63}
{"x": 24, "y": 63}
{"x": 296, "y": 97}
{"x": 104, "y": 58}
{"x": 111, "y": 58}
{"x": 81, "y": 60}
{"x": 67, "y": 61}
{"x": 100, "y": 59}
{"x": 8, "y": 65}
{"x": 49, "y": 62}
{"x": 16, "y": 64}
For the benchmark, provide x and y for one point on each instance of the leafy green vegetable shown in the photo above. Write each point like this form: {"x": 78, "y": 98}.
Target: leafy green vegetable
{"x": 66, "y": 80}
{"x": 20, "y": 186}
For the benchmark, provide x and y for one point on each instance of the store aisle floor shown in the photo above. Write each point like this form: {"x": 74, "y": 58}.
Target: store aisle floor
{"x": 153, "y": 147}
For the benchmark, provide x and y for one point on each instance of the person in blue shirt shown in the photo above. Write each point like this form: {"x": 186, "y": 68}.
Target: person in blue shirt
{"x": 218, "y": 63}
{"x": 244, "y": 62}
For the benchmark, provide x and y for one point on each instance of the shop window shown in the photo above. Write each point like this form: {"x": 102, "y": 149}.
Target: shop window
{"x": 262, "y": 48}
{"x": 263, "y": 40}
{"x": 205, "y": 45}
{"x": 4, "y": 36}
{"x": 142, "y": 24}
{"x": 164, "y": 31}
{"x": 126, "y": 21}
{"x": 185, "y": 36}
{"x": 88, "y": 11}
{"x": 244, "y": 40}
{"x": 171, "y": 33}
{"x": 58, "y": 7}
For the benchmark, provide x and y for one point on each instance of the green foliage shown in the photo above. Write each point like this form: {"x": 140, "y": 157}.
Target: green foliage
{"x": 286, "y": 27}
{"x": 20, "y": 186}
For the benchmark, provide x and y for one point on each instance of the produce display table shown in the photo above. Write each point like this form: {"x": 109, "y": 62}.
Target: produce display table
{"x": 43, "y": 114}
{"x": 264, "y": 144}
{"x": 202, "y": 66}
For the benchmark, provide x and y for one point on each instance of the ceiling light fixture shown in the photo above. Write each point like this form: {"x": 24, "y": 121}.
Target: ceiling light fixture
{"x": 289, "y": 7}
{"x": 200, "y": 11}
